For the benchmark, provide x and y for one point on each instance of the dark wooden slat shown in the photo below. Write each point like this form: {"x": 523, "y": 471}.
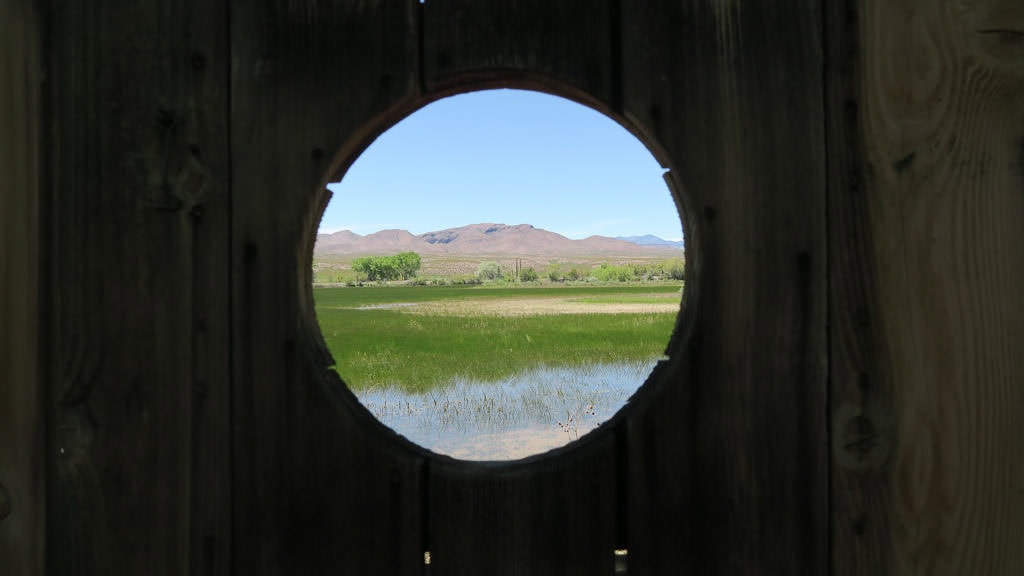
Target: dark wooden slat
{"x": 860, "y": 394}
{"x": 208, "y": 137}
{"x": 728, "y": 454}
{"x": 319, "y": 486}
{"x": 22, "y": 433}
{"x": 523, "y": 43}
{"x": 134, "y": 225}
{"x": 554, "y": 515}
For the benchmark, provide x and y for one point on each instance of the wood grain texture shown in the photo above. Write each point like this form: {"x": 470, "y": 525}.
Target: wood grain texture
{"x": 942, "y": 88}
{"x": 522, "y": 42}
{"x": 210, "y": 411}
{"x": 732, "y": 93}
{"x": 553, "y": 515}
{"x": 22, "y": 432}
{"x": 319, "y": 486}
{"x": 134, "y": 226}
{"x": 862, "y": 417}
{"x": 852, "y": 177}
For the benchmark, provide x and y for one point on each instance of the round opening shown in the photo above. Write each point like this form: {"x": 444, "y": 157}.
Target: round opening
{"x": 498, "y": 273}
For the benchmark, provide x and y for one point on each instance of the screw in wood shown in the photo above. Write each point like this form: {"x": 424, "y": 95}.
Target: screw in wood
{"x": 859, "y": 441}
{"x": 860, "y": 437}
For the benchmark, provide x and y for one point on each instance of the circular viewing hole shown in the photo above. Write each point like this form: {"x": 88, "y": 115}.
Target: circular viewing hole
{"x": 498, "y": 273}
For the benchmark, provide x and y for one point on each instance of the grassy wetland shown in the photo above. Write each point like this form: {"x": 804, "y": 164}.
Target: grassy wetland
{"x": 497, "y": 370}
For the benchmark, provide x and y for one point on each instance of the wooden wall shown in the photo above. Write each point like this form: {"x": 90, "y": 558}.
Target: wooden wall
{"x": 846, "y": 370}
{"x": 736, "y": 103}
{"x": 22, "y": 448}
{"x": 135, "y": 272}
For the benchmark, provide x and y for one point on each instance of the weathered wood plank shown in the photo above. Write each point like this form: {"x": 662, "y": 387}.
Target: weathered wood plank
{"x": 22, "y": 432}
{"x": 942, "y": 116}
{"x": 207, "y": 131}
{"x": 133, "y": 226}
{"x": 522, "y": 43}
{"x": 319, "y": 486}
{"x": 862, "y": 419}
{"x": 732, "y": 93}
{"x": 549, "y": 515}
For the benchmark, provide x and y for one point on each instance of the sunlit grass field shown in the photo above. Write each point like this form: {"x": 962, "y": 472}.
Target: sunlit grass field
{"x": 419, "y": 338}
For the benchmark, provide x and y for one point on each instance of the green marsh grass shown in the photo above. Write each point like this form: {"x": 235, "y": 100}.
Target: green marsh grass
{"x": 377, "y": 346}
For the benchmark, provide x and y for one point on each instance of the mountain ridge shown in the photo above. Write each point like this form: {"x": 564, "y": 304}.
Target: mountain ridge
{"x": 652, "y": 240}
{"x": 482, "y": 238}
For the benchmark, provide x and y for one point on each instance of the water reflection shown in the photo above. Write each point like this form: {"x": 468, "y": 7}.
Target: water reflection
{"x": 532, "y": 412}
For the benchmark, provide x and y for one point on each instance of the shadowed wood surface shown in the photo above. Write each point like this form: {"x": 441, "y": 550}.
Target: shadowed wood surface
{"x": 942, "y": 109}
{"x": 318, "y": 486}
{"x": 134, "y": 225}
{"x": 732, "y": 91}
{"x": 572, "y": 42}
{"x": 22, "y": 445}
{"x": 845, "y": 394}
{"x": 553, "y": 516}
{"x": 862, "y": 423}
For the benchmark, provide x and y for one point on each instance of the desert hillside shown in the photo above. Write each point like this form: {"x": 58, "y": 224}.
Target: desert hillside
{"x": 491, "y": 239}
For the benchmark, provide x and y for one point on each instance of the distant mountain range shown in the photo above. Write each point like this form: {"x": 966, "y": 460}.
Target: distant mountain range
{"x": 520, "y": 239}
{"x": 652, "y": 240}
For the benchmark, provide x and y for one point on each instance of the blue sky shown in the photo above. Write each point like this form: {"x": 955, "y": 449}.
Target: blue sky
{"x": 505, "y": 156}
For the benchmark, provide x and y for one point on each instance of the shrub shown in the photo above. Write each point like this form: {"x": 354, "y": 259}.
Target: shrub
{"x": 489, "y": 271}
{"x": 528, "y": 275}
{"x": 675, "y": 269}
{"x": 613, "y": 273}
{"x": 464, "y": 280}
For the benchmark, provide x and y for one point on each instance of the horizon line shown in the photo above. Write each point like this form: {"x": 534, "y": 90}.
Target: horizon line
{"x": 330, "y": 231}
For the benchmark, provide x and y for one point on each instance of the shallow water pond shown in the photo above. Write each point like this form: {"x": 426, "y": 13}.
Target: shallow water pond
{"x": 532, "y": 412}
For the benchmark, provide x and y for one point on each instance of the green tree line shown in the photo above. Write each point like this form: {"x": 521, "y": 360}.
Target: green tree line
{"x": 398, "y": 267}
{"x": 667, "y": 270}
